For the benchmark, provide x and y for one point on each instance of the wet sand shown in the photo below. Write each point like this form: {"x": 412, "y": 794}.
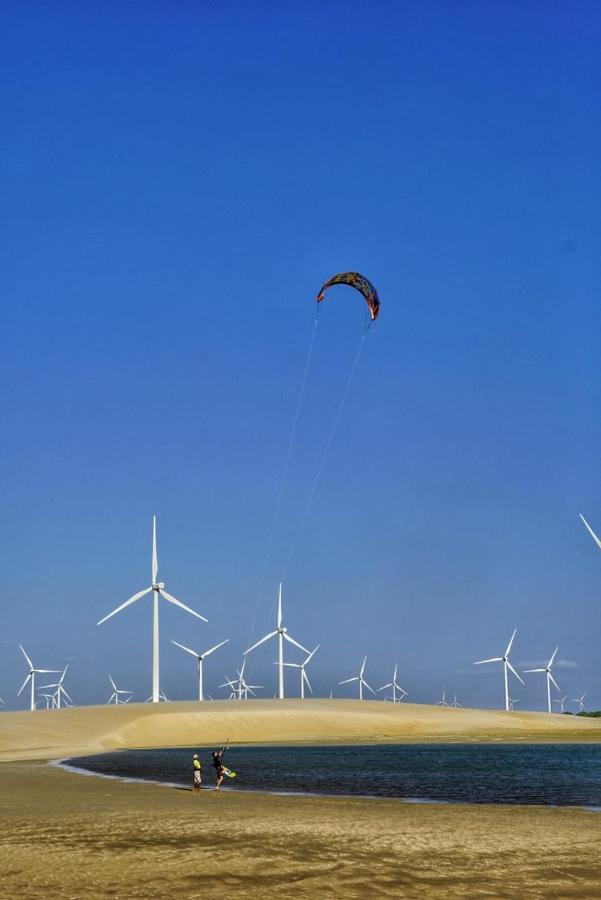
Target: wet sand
{"x": 72, "y": 836}
{"x": 66, "y": 836}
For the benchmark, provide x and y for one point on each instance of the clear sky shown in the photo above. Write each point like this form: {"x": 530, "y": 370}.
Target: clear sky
{"x": 177, "y": 180}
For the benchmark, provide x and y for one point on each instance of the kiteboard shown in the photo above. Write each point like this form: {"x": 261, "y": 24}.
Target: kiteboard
{"x": 229, "y": 772}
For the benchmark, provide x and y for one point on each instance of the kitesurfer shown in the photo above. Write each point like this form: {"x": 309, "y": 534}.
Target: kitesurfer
{"x": 218, "y": 765}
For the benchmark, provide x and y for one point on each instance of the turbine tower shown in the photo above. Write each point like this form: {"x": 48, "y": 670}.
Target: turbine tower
{"x": 360, "y": 679}
{"x": 550, "y": 679}
{"x": 31, "y": 677}
{"x": 282, "y": 635}
{"x": 199, "y": 658}
{"x": 304, "y": 678}
{"x": 156, "y": 588}
{"x": 395, "y": 687}
{"x": 506, "y": 666}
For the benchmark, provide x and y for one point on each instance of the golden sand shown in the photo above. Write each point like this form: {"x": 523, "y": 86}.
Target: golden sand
{"x": 67, "y": 732}
{"x": 64, "y": 835}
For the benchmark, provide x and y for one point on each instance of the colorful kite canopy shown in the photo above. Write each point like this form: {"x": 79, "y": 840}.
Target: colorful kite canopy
{"x": 361, "y": 284}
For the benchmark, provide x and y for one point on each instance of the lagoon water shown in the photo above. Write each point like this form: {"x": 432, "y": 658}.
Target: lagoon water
{"x": 553, "y": 774}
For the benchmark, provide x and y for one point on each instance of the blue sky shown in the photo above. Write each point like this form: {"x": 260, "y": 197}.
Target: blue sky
{"x": 177, "y": 182}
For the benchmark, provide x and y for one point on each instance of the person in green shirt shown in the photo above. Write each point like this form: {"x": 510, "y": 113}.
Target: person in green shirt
{"x": 196, "y": 782}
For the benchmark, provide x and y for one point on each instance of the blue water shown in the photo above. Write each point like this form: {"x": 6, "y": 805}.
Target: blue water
{"x": 553, "y": 774}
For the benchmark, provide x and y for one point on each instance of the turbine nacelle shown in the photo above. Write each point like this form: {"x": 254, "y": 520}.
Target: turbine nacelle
{"x": 158, "y": 586}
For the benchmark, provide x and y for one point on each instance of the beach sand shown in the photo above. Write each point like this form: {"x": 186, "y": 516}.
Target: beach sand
{"x": 66, "y": 835}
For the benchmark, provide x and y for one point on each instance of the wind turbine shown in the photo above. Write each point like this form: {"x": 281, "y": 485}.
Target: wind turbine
{"x": 156, "y": 587}
{"x": 49, "y": 698}
{"x": 561, "y": 702}
{"x": 550, "y": 678}
{"x": 506, "y": 665}
{"x": 304, "y": 679}
{"x": 360, "y": 679}
{"x": 443, "y": 700}
{"x": 200, "y": 657}
{"x": 31, "y": 677}
{"x": 282, "y": 635}
{"x": 395, "y": 687}
{"x": 580, "y": 702}
{"x": 114, "y": 698}
{"x": 239, "y": 688}
{"x": 511, "y": 703}
{"x": 590, "y": 531}
{"x": 456, "y": 704}
{"x": 60, "y": 691}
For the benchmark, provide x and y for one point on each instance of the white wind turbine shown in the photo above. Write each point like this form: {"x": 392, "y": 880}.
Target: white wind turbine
{"x": 561, "y": 702}
{"x": 239, "y": 688}
{"x": 156, "y": 588}
{"x": 512, "y": 702}
{"x": 580, "y": 702}
{"x": 114, "y": 698}
{"x": 60, "y": 691}
{"x": 304, "y": 679}
{"x": 590, "y": 531}
{"x": 282, "y": 635}
{"x": 443, "y": 700}
{"x": 456, "y": 704}
{"x": 506, "y": 666}
{"x": 550, "y": 679}
{"x": 360, "y": 679}
{"x": 199, "y": 658}
{"x": 49, "y": 698}
{"x": 395, "y": 687}
{"x": 31, "y": 677}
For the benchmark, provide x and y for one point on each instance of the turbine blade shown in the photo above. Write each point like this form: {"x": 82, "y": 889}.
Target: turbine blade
{"x": 519, "y": 678}
{"x": 554, "y": 682}
{"x": 187, "y": 649}
{"x": 367, "y": 686}
{"x": 24, "y": 683}
{"x": 535, "y": 670}
{"x": 363, "y": 666}
{"x": 216, "y": 647}
{"x": 550, "y": 663}
{"x": 307, "y": 682}
{"x": 183, "y": 606}
{"x": 510, "y": 642}
{"x": 127, "y": 603}
{"x": 262, "y": 641}
{"x": 113, "y": 683}
{"x": 66, "y": 694}
{"x": 311, "y": 654}
{"x": 384, "y": 686}
{"x": 29, "y": 662}
{"x": 296, "y": 643}
{"x": 47, "y": 671}
{"x": 280, "y": 606}
{"x": 348, "y": 680}
{"x": 155, "y": 560}
{"x": 494, "y": 659}
{"x": 592, "y": 533}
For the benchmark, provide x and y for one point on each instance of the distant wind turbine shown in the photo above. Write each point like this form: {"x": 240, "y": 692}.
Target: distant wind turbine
{"x": 395, "y": 687}
{"x": 590, "y": 531}
{"x": 506, "y": 666}
{"x": 156, "y": 588}
{"x": 580, "y": 702}
{"x": 443, "y": 700}
{"x": 304, "y": 678}
{"x": 60, "y": 691}
{"x": 282, "y": 635}
{"x": 561, "y": 702}
{"x": 114, "y": 698}
{"x": 362, "y": 682}
{"x": 199, "y": 659}
{"x": 456, "y": 704}
{"x": 550, "y": 679}
{"x": 511, "y": 702}
{"x": 31, "y": 677}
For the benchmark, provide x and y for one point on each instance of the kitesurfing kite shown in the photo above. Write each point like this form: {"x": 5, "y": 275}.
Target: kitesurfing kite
{"x": 361, "y": 284}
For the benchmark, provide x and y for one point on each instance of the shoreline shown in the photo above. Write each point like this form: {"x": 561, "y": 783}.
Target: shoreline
{"x": 64, "y": 765}
{"x": 69, "y": 835}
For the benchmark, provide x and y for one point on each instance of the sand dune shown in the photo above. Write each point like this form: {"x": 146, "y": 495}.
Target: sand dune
{"x": 56, "y": 733}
